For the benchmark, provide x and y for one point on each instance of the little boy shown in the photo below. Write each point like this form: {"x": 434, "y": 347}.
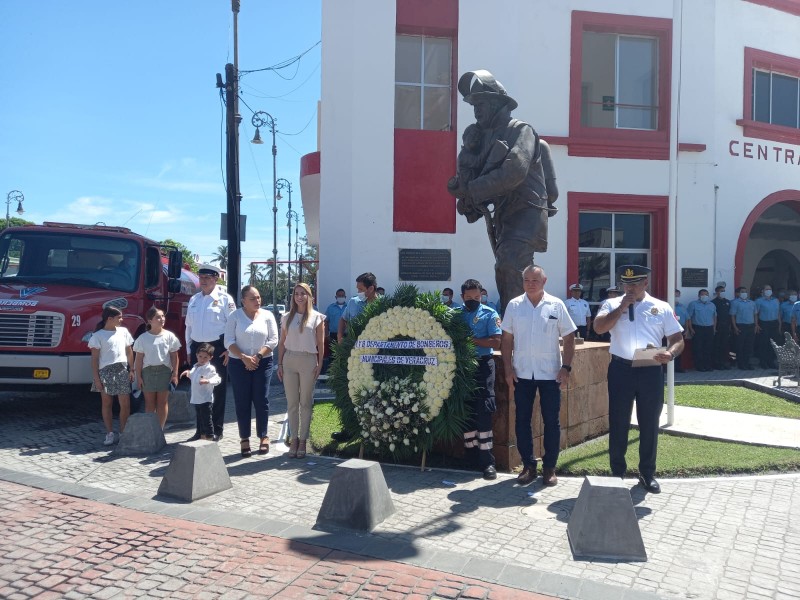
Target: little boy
{"x": 204, "y": 378}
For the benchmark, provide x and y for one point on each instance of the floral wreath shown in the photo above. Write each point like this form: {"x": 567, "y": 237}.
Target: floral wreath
{"x": 404, "y": 373}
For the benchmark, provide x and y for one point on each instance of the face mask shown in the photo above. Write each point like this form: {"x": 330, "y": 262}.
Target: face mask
{"x": 362, "y": 296}
{"x": 743, "y": 295}
{"x": 703, "y": 298}
{"x": 340, "y": 300}
{"x": 471, "y": 305}
{"x": 793, "y": 298}
{"x": 446, "y": 299}
{"x": 721, "y": 293}
{"x": 677, "y": 297}
{"x": 767, "y": 293}
{"x": 484, "y": 298}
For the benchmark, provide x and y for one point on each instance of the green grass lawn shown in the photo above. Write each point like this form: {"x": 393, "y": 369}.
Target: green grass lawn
{"x": 735, "y": 399}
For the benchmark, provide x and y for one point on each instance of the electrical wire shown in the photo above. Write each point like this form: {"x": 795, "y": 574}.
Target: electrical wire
{"x": 314, "y": 114}
{"x": 281, "y": 65}
{"x": 264, "y": 95}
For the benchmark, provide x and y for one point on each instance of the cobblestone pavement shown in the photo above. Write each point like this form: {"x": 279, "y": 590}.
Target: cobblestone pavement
{"x": 707, "y": 538}
{"x": 55, "y": 546}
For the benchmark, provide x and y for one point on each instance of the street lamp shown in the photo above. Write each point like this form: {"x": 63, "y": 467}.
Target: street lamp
{"x": 285, "y": 184}
{"x": 292, "y": 214}
{"x": 14, "y": 196}
{"x": 261, "y": 119}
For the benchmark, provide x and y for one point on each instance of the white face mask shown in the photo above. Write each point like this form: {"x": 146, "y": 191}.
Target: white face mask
{"x": 484, "y": 299}
{"x": 743, "y": 295}
{"x": 340, "y": 299}
{"x": 362, "y": 296}
{"x": 793, "y": 298}
{"x": 446, "y": 299}
{"x": 704, "y": 298}
{"x": 767, "y": 293}
{"x": 677, "y": 297}
{"x": 721, "y": 293}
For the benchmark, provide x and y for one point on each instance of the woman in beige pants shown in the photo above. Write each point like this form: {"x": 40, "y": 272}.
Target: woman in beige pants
{"x": 300, "y": 354}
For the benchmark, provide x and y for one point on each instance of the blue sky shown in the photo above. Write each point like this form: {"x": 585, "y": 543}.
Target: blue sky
{"x": 109, "y": 113}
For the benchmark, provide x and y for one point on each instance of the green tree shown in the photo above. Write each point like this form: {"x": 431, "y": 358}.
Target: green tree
{"x": 221, "y": 257}
{"x": 308, "y": 270}
{"x": 17, "y": 222}
{"x": 188, "y": 255}
{"x": 255, "y": 273}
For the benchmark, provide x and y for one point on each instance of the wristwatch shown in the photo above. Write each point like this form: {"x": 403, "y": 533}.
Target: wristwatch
{"x": 568, "y": 368}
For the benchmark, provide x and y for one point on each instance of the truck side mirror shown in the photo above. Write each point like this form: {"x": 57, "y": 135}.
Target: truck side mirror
{"x": 175, "y": 264}
{"x": 174, "y": 286}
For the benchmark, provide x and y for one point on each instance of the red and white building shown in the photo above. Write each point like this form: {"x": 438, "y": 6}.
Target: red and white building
{"x": 604, "y": 83}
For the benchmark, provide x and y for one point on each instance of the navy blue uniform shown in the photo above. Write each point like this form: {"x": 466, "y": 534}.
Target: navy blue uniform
{"x": 768, "y": 310}
{"x": 723, "y": 334}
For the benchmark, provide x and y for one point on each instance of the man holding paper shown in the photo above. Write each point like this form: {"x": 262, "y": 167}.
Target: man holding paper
{"x": 637, "y": 321}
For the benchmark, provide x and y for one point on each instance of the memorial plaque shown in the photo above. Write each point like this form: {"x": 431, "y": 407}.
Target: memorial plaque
{"x": 418, "y": 264}
{"x": 694, "y": 278}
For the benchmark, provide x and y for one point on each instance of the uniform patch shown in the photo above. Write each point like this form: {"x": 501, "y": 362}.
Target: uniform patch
{"x": 654, "y": 311}
{"x": 215, "y": 303}
{"x": 475, "y": 319}
{"x": 497, "y": 321}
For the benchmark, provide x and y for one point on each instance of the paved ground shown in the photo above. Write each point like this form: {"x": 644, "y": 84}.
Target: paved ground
{"x": 708, "y": 538}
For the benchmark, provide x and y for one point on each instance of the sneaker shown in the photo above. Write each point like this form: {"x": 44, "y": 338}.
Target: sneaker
{"x": 110, "y": 439}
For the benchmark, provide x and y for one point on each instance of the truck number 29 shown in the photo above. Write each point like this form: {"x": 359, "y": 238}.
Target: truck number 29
{"x": 76, "y": 320}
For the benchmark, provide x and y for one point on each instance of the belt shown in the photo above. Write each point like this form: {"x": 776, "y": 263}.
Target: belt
{"x": 624, "y": 361}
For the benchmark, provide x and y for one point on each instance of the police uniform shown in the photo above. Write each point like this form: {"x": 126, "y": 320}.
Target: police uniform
{"x": 206, "y": 316}
{"x": 702, "y": 316}
{"x": 743, "y": 318}
{"x": 786, "y": 317}
{"x": 579, "y": 311}
{"x": 723, "y": 334}
{"x": 767, "y": 313}
{"x": 484, "y": 322}
{"x": 652, "y": 321}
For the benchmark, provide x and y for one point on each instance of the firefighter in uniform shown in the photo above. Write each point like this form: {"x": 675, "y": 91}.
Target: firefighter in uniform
{"x": 579, "y": 310}
{"x": 206, "y": 316}
{"x": 637, "y": 320}
{"x": 486, "y": 334}
{"x": 722, "y": 337}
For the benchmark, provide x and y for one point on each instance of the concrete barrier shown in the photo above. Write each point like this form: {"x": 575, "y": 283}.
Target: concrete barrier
{"x": 181, "y": 412}
{"x": 142, "y": 435}
{"x": 603, "y": 523}
{"x": 196, "y": 471}
{"x": 357, "y": 496}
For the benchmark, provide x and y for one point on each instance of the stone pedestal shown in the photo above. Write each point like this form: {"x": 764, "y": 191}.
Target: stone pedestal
{"x": 357, "y": 496}
{"x": 142, "y": 436}
{"x": 196, "y": 471}
{"x": 180, "y": 411}
{"x": 603, "y": 523}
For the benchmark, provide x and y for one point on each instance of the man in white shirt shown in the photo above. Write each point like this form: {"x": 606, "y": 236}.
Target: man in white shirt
{"x": 206, "y": 316}
{"x": 579, "y": 310}
{"x": 532, "y": 361}
{"x": 637, "y": 320}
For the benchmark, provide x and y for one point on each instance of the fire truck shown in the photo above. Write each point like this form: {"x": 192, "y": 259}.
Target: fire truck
{"x": 55, "y": 280}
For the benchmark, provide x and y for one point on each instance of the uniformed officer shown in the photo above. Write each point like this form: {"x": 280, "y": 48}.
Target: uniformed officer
{"x": 579, "y": 310}
{"x": 796, "y": 320}
{"x": 768, "y": 321}
{"x": 447, "y": 298}
{"x": 612, "y": 292}
{"x": 681, "y": 314}
{"x": 485, "y": 325}
{"x": 786, "y": 312}
{"x": 701, "y": 323}
{"x": 533, "y": 361}
{"x": 206, "y": 316}
{"x": 723, "y": 334}
{"x": 636, "y": 321}
{"x": 743, "y": 319}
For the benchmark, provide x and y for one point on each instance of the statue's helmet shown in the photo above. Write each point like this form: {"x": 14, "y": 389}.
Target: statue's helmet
{"x": 477, "y": 85}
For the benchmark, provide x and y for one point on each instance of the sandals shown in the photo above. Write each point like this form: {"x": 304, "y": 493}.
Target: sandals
{"x": 293, "y": 448}
{"x": 263, "y": 447}
{"x": 301, "y": 451}
{"x": 245, "y": 445}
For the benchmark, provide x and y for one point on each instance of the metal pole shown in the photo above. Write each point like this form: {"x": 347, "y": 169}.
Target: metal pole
{"x": 274, "y": 224}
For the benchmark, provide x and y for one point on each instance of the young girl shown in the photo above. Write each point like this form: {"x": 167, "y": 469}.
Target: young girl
{"x": 112, "y": 365}
{"x": 156, "y": 364}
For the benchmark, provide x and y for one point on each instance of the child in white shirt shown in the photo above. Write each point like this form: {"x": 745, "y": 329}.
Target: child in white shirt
{"x": 204, "y": 378}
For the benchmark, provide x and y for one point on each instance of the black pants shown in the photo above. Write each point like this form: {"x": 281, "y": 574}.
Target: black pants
{"x": 582, "y": 331}
{"x": 646, "y": 386}
{"x": 204, "y": 424}
{"x": 221, "y": 390}
{"x": 478, "y": 435}
{"x": 703, "y": 346}
{"x": 764, "y": 352}
{"x": 722, "y": 347}
{"x": 744, "y": 345}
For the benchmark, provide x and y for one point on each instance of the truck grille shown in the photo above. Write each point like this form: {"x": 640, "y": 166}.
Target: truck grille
{"x": 37, "y": 330}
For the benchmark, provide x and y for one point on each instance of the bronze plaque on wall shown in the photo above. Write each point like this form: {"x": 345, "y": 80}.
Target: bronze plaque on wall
{"x": 418, "y": 264}
{"x": 694, "y": 278}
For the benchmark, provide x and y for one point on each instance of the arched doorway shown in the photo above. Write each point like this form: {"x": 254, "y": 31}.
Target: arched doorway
{"x": 769, "y": 243}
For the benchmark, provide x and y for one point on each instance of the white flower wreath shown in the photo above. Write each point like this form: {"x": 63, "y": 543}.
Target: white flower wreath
{"x": 417, "y": 324}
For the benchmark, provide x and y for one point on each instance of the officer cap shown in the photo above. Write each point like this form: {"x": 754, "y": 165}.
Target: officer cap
{"x": 576, "y": 286}
{"x": 613, "y": 289}
{"x": 632, "y": 273}
{"x": 214, "y": 272}
{"x": 480, "y": 84}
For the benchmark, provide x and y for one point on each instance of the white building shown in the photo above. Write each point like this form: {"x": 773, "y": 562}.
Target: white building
{"x": 598, "y": 87}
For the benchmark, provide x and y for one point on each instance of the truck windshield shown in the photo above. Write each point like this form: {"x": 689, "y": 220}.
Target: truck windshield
{"x": 69, "y": 258}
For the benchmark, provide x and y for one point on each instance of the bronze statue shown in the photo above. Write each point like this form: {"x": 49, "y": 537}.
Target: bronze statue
{"x": 505, "y": 175}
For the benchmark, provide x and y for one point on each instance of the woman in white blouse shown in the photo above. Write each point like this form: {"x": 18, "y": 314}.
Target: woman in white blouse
{"x": 251, "y": 335}
{"x": 300, "y": 355}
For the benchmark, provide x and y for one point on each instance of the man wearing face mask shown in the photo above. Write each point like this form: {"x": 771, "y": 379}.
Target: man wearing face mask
{"x": 701, "y": 323}
{"x": 447, "y": 298}
{"x": 743, "y": 319}
{"x": 366, "y": 284}
{"x": 486, "y": 334}
{"x": 768, "y": 320}
{"x": 723, "y": 334}
{"x": 333, "y": 314}
{"x": 786, "y": 312}
{"x": 485, "y": 300}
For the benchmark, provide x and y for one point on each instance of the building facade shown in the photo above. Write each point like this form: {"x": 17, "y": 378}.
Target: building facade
{"x": 598, "y": 86}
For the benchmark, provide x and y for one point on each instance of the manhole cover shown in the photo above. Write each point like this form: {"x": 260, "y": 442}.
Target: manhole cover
{"x": 543, "y": 511}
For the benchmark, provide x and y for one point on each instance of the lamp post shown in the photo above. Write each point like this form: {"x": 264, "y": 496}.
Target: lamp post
{"x": 292, "y": 214}
{"x": 285, "y": 184}
{"x": 14, "y": 196}
{"x": 261, "y": 119}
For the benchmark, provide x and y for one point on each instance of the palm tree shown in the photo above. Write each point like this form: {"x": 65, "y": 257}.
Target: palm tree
{"x": 255, "y": 273}
{"x": 221, "y": 257}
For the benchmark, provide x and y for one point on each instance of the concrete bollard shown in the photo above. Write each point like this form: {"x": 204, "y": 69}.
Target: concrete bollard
{"x": 603, "y": 523}
{"x": 142, "y": 435}
{"x": 357, "y": 496}
{"x": 196, "y": 470}
{"x": 181, "y": 412}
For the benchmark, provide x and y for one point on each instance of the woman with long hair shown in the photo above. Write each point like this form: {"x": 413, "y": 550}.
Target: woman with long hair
{"x": 300, "y": 354}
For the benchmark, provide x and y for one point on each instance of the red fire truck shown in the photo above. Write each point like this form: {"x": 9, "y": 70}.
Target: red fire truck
{"x": 55, "y": 280}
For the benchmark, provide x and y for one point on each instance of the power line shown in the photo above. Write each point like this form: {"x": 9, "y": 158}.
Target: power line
{"x": 264, "y": 95}
{"x": 281, "y": 65}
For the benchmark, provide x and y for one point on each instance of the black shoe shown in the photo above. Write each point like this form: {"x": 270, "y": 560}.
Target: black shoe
{"x": 490, "y": 472}
{"x": 650, "y": 484}
{"x": 217, "y": 436}
{"x": 527, "y": 476}
{"x": 195, "y": 437}
{"x": 340, "y": 436}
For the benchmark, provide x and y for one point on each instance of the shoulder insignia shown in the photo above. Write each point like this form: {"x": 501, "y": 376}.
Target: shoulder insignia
{"x": 497, "y": 321}
{"x": 215, "y": 303}
{"x": 654, "y": 311}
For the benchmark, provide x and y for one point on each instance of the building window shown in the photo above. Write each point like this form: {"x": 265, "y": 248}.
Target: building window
{"x": 422, "y": 97}
{"x": 620, "y": 81}
{"x": 771, "y": 105}
{"x": 775, "y": 98}
{"x": 619, "y": 86}
{"x": 608, "y": 240}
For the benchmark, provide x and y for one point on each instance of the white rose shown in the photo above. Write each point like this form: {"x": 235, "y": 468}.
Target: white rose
{"x": 391, "y": 447}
